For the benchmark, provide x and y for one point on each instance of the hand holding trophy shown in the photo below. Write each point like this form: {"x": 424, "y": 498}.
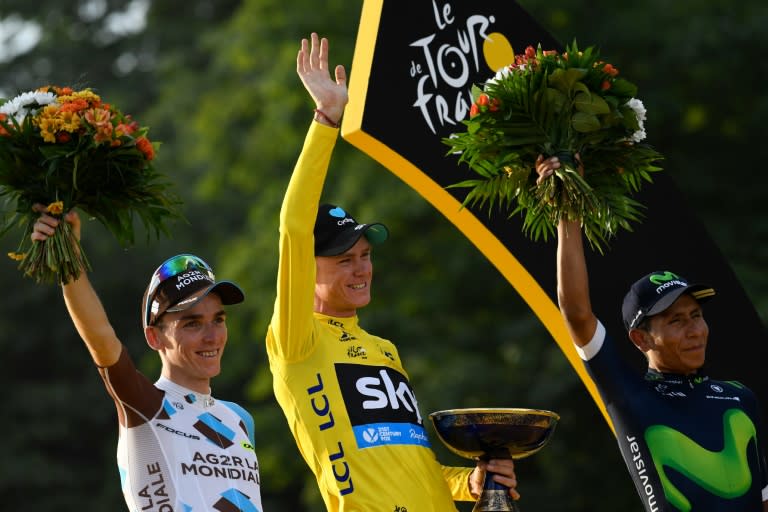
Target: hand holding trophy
{"x": 494, "y": 433}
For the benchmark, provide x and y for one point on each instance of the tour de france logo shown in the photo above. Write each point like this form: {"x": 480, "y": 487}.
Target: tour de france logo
{"x": 498, "y": 51}
{"x": 459, "y": 53}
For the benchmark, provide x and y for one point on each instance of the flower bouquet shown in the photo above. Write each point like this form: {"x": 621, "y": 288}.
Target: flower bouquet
{"x": 64, "y": 149}
{"x": 558, "y": 104}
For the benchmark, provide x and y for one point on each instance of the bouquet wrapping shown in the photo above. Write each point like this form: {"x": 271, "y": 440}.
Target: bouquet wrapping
{"x": 572, "y": 105}
{"x": 63, "y": 149}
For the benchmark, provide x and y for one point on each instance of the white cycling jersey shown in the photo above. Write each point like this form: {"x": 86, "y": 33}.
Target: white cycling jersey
{"x": 180, "y": 450}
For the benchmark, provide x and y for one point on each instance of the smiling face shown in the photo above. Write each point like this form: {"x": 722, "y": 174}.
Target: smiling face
{"x": 191, "y": 343}
{"x": 676, "y": 339}
{"x": 343, "y": 282}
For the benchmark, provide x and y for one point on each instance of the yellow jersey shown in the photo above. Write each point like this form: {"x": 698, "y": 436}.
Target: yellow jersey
{"x": 344, "y": 392}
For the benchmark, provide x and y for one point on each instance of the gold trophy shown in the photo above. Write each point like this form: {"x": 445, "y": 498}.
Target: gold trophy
{"x": 494, "y": 433}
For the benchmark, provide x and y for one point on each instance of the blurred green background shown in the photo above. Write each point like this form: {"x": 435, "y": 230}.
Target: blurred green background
{"x": 215, "y": 79}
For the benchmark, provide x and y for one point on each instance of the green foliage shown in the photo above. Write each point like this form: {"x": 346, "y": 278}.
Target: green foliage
{"x": 216, "y": 82}
{"x": 706, "y": 111}
{"x": 66, "y": 149}
{"x": 564, "y": 105}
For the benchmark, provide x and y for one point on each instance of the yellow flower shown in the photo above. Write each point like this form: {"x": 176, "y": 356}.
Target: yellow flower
{"x": 85, "y": 94}
{"x": 70, "y": 122}
{"x": 49, "y": 123}
{"x": 18, "y": 256}
{"x": 56, "y": 208}
{"x": 48, "y": 129}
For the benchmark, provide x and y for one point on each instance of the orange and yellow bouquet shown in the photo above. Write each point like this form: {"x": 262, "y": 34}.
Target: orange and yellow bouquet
{"x": 64, "y": 149}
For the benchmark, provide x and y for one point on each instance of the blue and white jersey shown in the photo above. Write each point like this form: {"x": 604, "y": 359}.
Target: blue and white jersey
{"x": 690, "y": 443}
{"x": 180, "y": 450}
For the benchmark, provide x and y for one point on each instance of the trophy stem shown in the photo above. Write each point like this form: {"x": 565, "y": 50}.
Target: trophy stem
{"x": 495, "y": 497}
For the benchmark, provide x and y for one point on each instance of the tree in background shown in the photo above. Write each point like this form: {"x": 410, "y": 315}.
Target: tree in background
{"x": 216, "y": 81}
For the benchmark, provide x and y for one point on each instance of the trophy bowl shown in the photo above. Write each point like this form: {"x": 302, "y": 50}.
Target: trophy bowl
{"x": 494, "y": 433}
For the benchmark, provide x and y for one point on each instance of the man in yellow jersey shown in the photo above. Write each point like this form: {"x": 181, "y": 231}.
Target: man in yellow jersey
{"x": 344, "y": 392}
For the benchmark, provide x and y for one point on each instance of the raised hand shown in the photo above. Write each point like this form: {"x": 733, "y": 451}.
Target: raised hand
{"x": 330, "y": 94}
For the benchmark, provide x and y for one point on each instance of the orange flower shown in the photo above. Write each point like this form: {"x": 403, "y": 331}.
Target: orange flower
{"x": 474, "y": 110}
{"x": 612, "y": 71}
{"x": 495, "y": 105}
{"x": 483, "y": 100}
{"x": 55, "y": 208}
{"x": 146, "y": 147}
{"x": 126, "y": 129}
{"x": 530, "y": 52}
{"x": 3, "y": 131}
{"x": 101, "y": 121}
{"x": 91, "y": 99}
{"x": 75, "y": 105}
{"x": 605, "y": 85}
{"x": 63, "y": 137}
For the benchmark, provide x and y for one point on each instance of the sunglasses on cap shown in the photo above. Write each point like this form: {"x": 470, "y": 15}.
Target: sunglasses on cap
{"x": 170, "y": 268}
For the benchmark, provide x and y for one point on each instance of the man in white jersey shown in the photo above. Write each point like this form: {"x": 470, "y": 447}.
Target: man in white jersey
{"x": 179, "y": 449}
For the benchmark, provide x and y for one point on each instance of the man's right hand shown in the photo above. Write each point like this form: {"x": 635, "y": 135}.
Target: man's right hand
{"x": 545, "y": 167}
{"x": 330, "y": 95}
{"x": 46, "y": 224}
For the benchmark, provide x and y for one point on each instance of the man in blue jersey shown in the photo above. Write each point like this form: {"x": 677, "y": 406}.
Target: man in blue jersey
{"x": 690, "y": 443}
{"x": 178, "y": 447}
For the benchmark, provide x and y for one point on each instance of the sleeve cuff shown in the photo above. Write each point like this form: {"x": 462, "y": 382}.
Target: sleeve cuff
{"x": 591, "y": 349}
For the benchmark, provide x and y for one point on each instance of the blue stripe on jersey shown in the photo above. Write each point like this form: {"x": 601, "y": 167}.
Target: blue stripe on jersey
{"x": 216, "y": 425}
{"x": 169, "y": 409}
{"x": 239, "y": 500}
{"x": 246, "y": 417}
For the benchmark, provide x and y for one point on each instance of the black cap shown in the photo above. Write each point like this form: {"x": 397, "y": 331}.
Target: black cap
{"x": 655, "y": 292}
{"x": 181, "y": 282}
{"x": 336, "y": 231}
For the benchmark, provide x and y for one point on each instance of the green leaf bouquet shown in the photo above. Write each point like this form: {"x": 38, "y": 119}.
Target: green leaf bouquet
{"x": 64, "y": 149}
{"x": 558, "y": 104}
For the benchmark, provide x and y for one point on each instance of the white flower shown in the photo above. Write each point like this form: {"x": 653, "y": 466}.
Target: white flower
{"x": 24, "y": 103}
{"x": 638, "y": 136}
{"x": 639, "y": 109}
{"x": 637, "y": 105}
{"x": 499, "y": 75}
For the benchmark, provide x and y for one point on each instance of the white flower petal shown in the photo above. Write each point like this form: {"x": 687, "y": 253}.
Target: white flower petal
{"x": 19, "y": 106}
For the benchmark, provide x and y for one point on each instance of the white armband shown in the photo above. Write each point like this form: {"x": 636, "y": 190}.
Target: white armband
{"x": 591, "y": 349}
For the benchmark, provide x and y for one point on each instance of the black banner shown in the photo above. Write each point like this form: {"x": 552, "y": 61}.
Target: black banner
{"x": 410, "y": 85}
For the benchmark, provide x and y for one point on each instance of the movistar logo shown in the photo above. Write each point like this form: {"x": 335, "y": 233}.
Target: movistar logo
{"x": 706, "y": 468}
{"x": 659, "y": 279}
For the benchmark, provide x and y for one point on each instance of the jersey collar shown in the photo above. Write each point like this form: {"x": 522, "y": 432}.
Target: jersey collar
{"x": 675, "y": 378}
{"x": 191, "y": 397}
